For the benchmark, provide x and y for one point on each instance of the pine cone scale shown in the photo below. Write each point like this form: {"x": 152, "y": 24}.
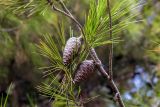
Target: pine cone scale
{"x": 71, "y": 49}
{"x": 85, "y": 69}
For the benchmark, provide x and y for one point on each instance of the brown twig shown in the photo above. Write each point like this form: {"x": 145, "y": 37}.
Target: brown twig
{"x": 113, "y": 85}
{"x": 92, "y": 53}
{"x": 65, "y": 8}
{"x": 68, "y": 14}
{"x": 111, "y": 45}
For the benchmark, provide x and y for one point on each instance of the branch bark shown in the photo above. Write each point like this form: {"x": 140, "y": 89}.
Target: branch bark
{"x": 92, "y": 52}
{"x": 111, "y": 45}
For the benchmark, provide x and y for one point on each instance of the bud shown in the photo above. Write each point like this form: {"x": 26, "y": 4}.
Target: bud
{"x": 71, "y": 49}
{"x": 84, "y": 70}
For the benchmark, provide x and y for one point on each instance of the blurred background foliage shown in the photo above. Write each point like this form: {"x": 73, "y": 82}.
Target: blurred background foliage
{"x": 136, "y": 58}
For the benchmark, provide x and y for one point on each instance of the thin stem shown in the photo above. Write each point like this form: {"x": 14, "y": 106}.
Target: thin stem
{"x": 93, "y": 54}
{"x": 117, "y": 93}
{"x": 67, "y": 11}
{"x": 111, "y": 45}
{"x": 113, "y": 85}
{"x": 66, "y": 14}
{"x": 65, "y": 8}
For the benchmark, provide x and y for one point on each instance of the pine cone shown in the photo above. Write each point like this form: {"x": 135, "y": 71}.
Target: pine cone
{"x": 71, "y": 49}
{"x": 84, "y": 70}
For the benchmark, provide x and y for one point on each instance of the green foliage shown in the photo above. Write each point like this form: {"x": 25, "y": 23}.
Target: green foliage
{"x": 28, "y": 19}
{"x": 96, "y": 33}
{"x": 95, "y": 19}
{"x": 4, "y": 103}
{"x": 31, "y": 101}
{"x": 6, "y": 44}
{"x": 50, "y": 50}
{"x": 97, "y": 22}
{"x": 62, "y": 92}
{"x": 19, "y": 7}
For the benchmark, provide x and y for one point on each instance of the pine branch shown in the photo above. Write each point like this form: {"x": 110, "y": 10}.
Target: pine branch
{"x": 93, "y": 55}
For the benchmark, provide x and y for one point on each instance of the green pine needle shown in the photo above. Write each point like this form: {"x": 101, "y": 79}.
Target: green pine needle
{"x": 97, "y": 22}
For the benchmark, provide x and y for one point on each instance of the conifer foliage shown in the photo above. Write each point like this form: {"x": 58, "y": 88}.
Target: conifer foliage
{"x": 95, "y": 32}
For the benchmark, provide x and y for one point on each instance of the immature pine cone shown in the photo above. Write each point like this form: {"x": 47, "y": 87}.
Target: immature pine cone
{"x": 84, "y": 70}
{"x": 71, "y": 49}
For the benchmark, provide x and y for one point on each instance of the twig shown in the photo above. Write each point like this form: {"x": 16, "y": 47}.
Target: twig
{"x": 93, "y": 55}
{"x": 113, "y": 85}
{"x": 66, "y": 14}
{"x": 65, "y": 8}
{"x": 67, "y": 11}
{"x": 111, "y": 45}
